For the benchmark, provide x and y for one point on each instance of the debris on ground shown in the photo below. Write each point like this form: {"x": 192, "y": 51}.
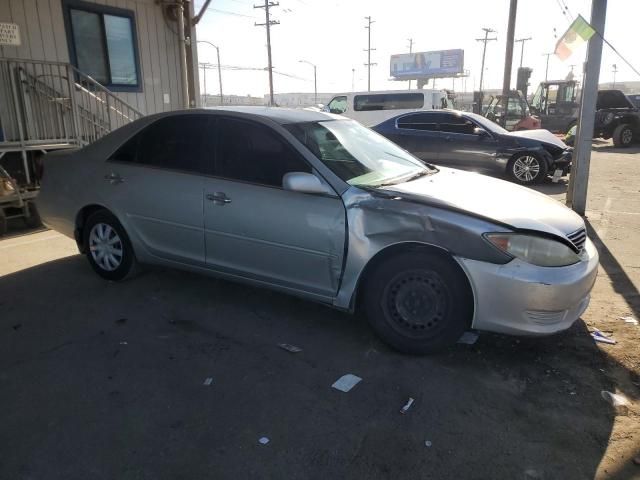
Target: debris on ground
{"x": 124, "y": 343}
{"x": 289, "y": 348}
{"x": 428, "y": 443}
{"x": 208, "y": 381}
{"x": 629, "y": 319}
{"x": 619, "y": 402}
{"x": 263, "y": 440}
{"x": 121, "y": 321}
{"x": 468, "y": 338}
{"x": 17, "y": 326}
{"x": 407, "y": 406}
{"x": 346, "y": 382}
{"x": 598, "y": 336}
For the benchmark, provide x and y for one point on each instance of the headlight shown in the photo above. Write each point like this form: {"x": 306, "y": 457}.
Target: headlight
{"x": 539, "y": 251}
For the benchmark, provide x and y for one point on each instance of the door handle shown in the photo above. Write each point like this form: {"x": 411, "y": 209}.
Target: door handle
{"x": 114, "y": 178}
{"x": 218, "y": 197}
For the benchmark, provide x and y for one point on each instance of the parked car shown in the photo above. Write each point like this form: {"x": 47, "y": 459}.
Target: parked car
{"x": 371, "y": 108}
{"x": 467, "y": 140}
{"x": 319, "y": 206}
{"x": 616, "y": 118}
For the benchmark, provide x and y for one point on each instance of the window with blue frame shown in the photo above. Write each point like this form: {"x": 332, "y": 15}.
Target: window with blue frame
{"x": 103, "y": 44}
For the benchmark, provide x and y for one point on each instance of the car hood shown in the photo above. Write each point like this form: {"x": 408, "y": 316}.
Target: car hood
{"x": 544, "y": 136}
{"x": 498, "y": 200}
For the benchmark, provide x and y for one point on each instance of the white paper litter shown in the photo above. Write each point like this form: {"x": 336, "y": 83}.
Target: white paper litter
{"x": 346, "y": 382}
{"x": 629, "y": 319}
{"x": 407, "y": 406}
{"x": 208, "y": 381}
{"x": 468, "y": 338}
{"x": 428, "y": 443}
{"x": 263, "y": 440}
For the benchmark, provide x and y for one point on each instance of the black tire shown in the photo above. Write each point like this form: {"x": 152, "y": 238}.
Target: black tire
{"x": 127, "y": 261}
{"x": 538, "y": 168}
{"x": 623, "y": 136}
{"x": 433, "y": 286}
{"x": 33, "y": 221}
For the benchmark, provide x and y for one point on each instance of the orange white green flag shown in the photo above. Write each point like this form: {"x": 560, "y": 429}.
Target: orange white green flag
{"x": 579, "y": 32}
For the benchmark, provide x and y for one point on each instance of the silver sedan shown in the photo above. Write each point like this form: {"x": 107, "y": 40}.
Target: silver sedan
{"x": 319, "y": 206}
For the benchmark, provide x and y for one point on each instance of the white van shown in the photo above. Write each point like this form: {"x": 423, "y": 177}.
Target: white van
{"x": 372, "y": 108}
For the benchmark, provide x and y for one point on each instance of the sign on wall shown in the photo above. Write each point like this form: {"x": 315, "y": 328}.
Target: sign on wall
{"x": 9, "y": 34}
{"x": 440, "y": 63}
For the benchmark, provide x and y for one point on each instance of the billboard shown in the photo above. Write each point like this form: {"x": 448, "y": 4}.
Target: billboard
{"x": 442, "y": 63}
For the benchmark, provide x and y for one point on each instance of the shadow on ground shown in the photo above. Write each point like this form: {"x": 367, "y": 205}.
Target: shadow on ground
{"x": 105, "y": 380}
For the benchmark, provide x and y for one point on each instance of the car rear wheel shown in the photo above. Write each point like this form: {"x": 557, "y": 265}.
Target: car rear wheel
{"x": 526, "y": 169}
{"x": 417, "y": 302}
{"x": 623, "y": 136}
{"x": 107, "y": 246}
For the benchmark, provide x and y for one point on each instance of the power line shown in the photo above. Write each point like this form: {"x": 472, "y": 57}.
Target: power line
{"x": 268, "y": 22}
{"x": 368, "y": 50}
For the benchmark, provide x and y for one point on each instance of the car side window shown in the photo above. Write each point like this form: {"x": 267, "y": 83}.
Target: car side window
{"x": 338, "y": 105}
{"x": 456, "y": 124}
{"x": 419, "y": 121}
{"x": 254, "y": 153}
{"x": 173, "y": 143}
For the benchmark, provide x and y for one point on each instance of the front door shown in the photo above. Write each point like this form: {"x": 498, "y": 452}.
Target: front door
{"x": 154, "y": 183}
{"x": 464, "y": 147}
{"x": 254, "y": 228}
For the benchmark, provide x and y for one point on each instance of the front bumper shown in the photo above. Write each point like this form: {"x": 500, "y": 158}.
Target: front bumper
{"x": 563, "y": 162}
{"x": 522, "y": 299}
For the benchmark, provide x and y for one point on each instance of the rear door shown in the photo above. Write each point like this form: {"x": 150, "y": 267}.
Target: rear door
{"x": 418, "y": 133}
{"x": 154, "y": 184}
{"x": 254, "y": 228}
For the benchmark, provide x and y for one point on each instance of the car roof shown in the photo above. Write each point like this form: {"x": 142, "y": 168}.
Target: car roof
{"x": 279, "y": 114}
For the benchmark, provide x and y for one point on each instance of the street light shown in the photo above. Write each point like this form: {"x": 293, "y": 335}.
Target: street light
{"x": 219, "y": 71}
{"x": 315, "y": 81}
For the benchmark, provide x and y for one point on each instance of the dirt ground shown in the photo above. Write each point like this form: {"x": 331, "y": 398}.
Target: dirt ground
{"x": 106, "y": 380}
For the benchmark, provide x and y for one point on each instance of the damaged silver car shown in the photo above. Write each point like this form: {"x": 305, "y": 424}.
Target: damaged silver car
{"x": 319, "y": 206}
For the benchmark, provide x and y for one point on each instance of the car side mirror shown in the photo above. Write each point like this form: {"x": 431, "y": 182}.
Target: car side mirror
{"x": 305, "y": 183}
{"x": 481, "y": 132}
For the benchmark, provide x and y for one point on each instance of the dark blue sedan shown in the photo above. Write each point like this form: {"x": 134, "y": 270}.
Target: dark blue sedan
{"x": 469, "y": 141}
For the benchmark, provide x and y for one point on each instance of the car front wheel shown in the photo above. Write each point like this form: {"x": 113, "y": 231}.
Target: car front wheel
{"x": 418, "y": 302}
{"x": 526, "y": 169}
{"x": 107, "y": 246}
{"x": 623, "y": 136}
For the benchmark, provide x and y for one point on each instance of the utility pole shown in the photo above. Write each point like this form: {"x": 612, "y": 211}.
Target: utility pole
{"x": 219, "y": 70}
{"x": 508, "y": 55}
{"x": 267, "y": 23}
{"x": 546, "y": 71}
{"x": 484, "y": 40}
{"x": 315, "y": 80}
{"x": 615, "y": 70}
{"x": 368, "y": 50}
{"x": 579, "y": 179}
{"x": 522, "y": 40}
{"x": 410, "y": 52}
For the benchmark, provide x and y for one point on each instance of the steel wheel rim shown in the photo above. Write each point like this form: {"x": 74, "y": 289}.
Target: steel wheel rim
{"x": 627, "y": 136}
{"x": 106, "y": 247}
{"x": 526, "y": 168}
{"x": 416, "y": 303}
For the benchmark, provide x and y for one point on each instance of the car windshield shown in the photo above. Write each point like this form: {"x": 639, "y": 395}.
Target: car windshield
{"x": 486, "y": 123}
{"x": 358, "y": 155}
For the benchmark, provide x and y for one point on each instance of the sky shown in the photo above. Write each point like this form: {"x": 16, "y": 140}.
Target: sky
{"x": 331, "y": 34}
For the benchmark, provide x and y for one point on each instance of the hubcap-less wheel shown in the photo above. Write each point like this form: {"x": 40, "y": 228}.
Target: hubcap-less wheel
{"x": 526, "y": 168}
{"x": 627, "y": 136}
{"x": 416, "y": 303}
{"x": 105, "y": 246}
